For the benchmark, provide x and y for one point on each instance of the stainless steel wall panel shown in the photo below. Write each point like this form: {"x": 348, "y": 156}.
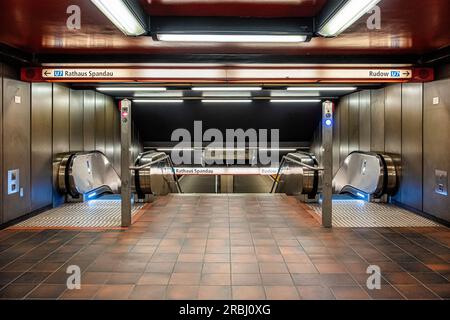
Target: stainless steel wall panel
{"x": 393, "y": 120}
{"x": 41, "y": 145}
{"x": 364, "y": 121}
{"x": 436, "y": 146}
{"x": 343, "y": 129}
{"x": 353, "y": 122}
{"x": 377, "y": 120}
{"x": 100, "y": 122}
{"x": 393, "y": 127}
{"x": 89, "y": 121}
{"x": 117, "y": 143}
{"x": 336, "y": 141}
{"x": 76, "y": 120}
{"x": 1, "y": 142}
{"x": 61, "y": 132}
{"x": 61, "y": 123}
{"x": 109, "y": 129}
{"x": 411, "y": 174}
{"x": 16, "y": 147}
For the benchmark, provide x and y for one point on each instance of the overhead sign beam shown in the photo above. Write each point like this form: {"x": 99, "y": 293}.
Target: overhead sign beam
{"x": 227, "y": 74}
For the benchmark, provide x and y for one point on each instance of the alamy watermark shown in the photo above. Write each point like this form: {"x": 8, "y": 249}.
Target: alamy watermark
{"x": 374, "y": 280}
{"x": 74, "y": 280}
{"x": 236, "y": 146}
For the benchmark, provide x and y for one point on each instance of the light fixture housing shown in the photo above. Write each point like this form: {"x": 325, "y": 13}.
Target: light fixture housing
{"x": 295, "y": 100}
{"x": 232, "y": 29}
{"x": 227, "y": 101}
{"x": 158, "y": 100}
{"x": 127, "y": 15}
{"x": 341, "y": 14}
{"x": 231, "y": 38}
{"x": 132, "y": 89}
{"x": 218, "y": 89}
{"x": 322, "y": 88}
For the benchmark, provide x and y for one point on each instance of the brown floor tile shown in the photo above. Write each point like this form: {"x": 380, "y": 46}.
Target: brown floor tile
{"x": 349, "y": 293}
{"x": 387, "y": 292}
{"x": 216, "y": 267}
{"x": 214, "y": 293}
{"x": 277, "y": 279}
{"x": 179, "y": 292}
{"x": 400, "y": 278}
{"x": 47, "y": 291}
{"x": 161, "y": 267}
{"x": 86, "y": 292}
{"x": 237, "y": 267}
{"x": 7, "y": 277}
{"x": 113, "y": 292}
{"x": 442, "y": 290}
{"x": 154, "y": 279}
{"x": 248, "y": 293}
{"x": 430, "y": 278}
{"x": 147, "y": 292}
{"x": 330, "y": 268}
{"x": 416, "y": 292}
{"x": 183, "y": 279}
{"x": 188, "y": 267}
{"x": 301, "y": 268}
{"x": 281, "y": 293}
{"x": 246, "y": 279}
{"x": 273, "y": 267}
{"x": 16, "y": 291}
{"x": 124, "y": 278}
{"x": 315, "y": 292}
{"x": 215, "y": 279}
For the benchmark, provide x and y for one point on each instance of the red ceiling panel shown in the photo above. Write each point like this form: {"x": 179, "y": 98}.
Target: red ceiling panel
{"x": 234, "y": 8}
{"x": 408, "y": 27}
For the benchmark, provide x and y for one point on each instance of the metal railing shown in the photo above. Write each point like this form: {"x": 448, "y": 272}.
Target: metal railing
{"x": 290, "y": 157}
{"x": 160, "y": 158}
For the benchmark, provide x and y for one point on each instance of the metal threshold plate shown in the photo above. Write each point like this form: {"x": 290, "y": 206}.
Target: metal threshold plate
{"x": 90, "y": 214}
{"x": 361, "y": 214}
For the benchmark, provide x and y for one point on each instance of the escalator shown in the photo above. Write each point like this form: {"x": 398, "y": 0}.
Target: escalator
{"x": 299, "y": 174}
{"x": 367, "y": 174}
{"x": 87, "y": 175}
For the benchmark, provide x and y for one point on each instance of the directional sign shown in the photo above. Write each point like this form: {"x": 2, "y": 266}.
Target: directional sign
{"x": 248, "y": 74}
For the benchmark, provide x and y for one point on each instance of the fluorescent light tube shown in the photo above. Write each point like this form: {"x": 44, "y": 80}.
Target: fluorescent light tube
{"x": 226, "y": 88}
{"x": 158, "y": 100}
{"x": 295, "y": 101}
{"x": 131, "y": 89}
{"x": 346, "y": 16}
{"x": 322, "y": 88}
{"x": 230, "y": 38}
{"x": 226, "y": 101}
{"x": 121, "y": 16}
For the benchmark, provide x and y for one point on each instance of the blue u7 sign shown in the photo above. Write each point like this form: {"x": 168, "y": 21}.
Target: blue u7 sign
{"x": 58, "y": 73}
{"x": 395, "y": 74}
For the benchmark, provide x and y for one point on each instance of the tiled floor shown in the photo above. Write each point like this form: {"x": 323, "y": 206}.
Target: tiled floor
{"x": 226, "y": 247}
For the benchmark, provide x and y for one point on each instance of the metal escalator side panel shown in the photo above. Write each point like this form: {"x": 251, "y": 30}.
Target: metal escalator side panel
{"x": 361, "y": 171}
{"x": 92, "y": 171}
{"x": 390, "y": 185}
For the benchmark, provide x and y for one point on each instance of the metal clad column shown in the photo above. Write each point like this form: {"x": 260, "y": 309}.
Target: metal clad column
{"x": 125, "y": 123}
{"x": 327, "y": 162}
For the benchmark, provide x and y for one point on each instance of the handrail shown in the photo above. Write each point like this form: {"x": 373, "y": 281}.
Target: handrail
{"x": 158, "y": 160}
{"x": 283, "y": 160}
{"x": 149, "y": 164}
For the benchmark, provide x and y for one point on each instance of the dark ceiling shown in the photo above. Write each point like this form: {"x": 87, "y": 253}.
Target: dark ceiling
{"x": 409, "y": 27}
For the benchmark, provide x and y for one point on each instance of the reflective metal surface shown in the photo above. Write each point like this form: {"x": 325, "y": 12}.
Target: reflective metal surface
{"x": 298, "y": 174}
{"x": 154, "y": 174}
{"x": 85, "y": 172}
{"x": 369, "y": 173}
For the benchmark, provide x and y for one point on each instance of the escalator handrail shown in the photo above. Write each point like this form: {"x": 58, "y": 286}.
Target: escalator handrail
{"x": 289, "y": 157}
{"x": 161, "y": 156}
